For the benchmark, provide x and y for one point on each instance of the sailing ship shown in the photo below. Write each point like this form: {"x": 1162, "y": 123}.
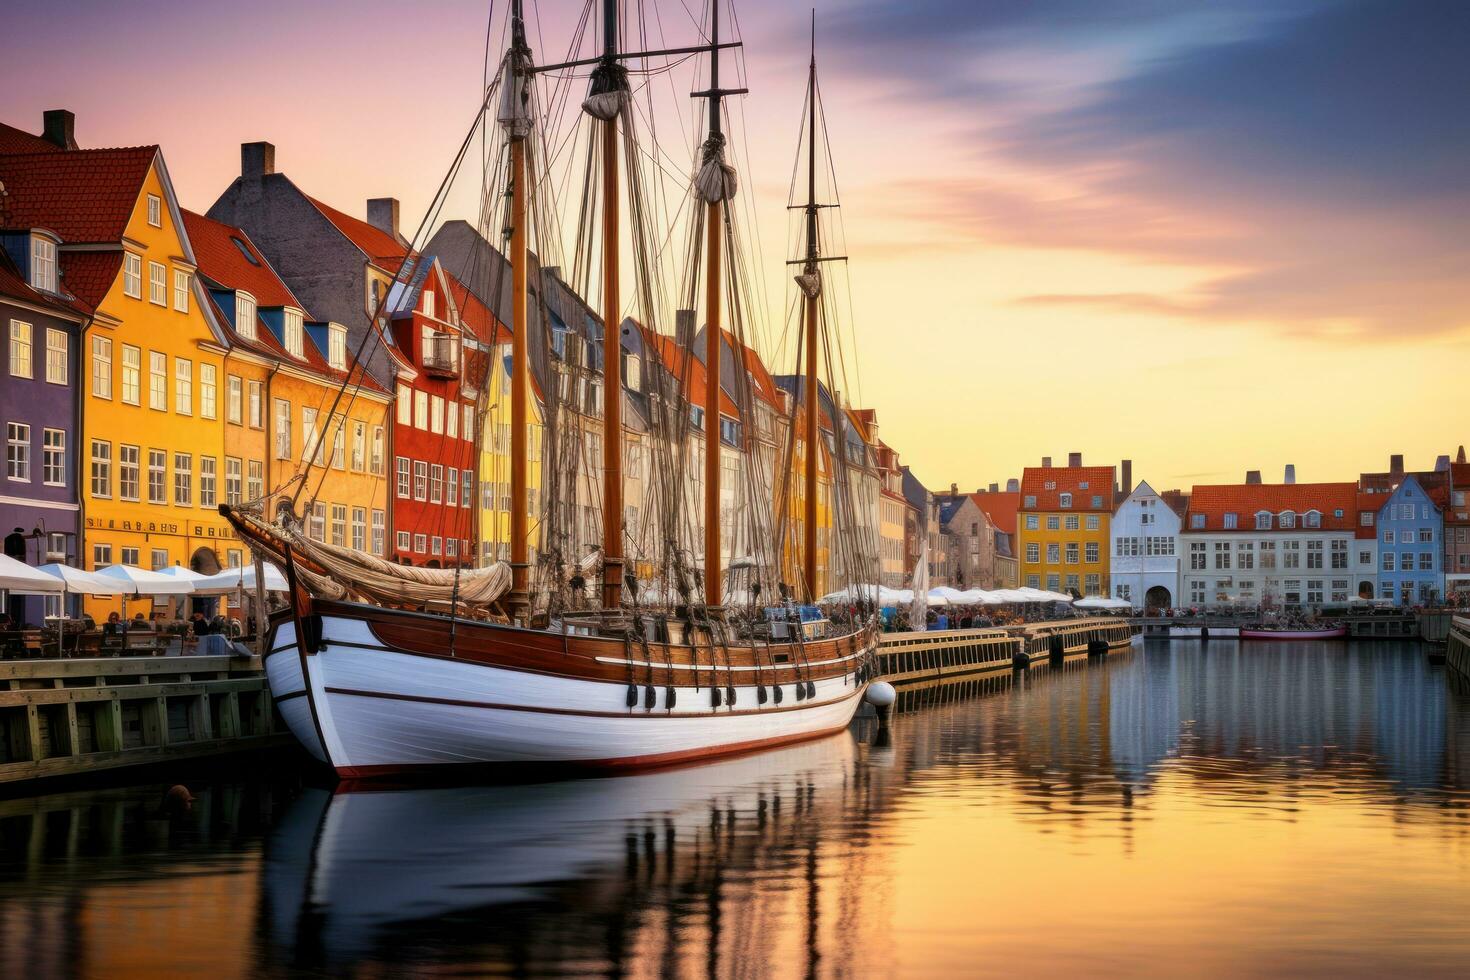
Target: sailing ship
{"x": 380, "y": 668}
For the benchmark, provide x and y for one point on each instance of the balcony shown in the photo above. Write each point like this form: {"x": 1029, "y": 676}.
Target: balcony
{"x": 441, "y": 356}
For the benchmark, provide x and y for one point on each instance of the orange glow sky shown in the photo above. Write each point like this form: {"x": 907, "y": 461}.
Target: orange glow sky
{"x": 1207, "y": 237}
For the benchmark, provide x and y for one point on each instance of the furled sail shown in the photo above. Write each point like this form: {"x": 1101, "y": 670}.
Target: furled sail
{"x": 715, "y": 181}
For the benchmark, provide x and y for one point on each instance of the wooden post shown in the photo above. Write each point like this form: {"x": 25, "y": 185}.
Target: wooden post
{"x": 714, "y": 587}
{"x": 520, "y": 598}
{"x": 612, "y": 346}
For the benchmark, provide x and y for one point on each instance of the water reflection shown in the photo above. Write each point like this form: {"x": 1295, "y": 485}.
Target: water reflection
{"x": 1244, "y": 808}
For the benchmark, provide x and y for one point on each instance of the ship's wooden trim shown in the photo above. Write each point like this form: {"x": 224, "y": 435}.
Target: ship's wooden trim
{"x": 639, "y": 713}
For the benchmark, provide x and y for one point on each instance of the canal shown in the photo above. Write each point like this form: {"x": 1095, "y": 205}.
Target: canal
{"x": 1261, "y": 809}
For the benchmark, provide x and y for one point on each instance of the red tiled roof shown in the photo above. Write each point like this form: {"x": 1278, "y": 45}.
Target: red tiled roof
{"x": 15, "y": 287}
{"x": 1370, "y": 503}
{"x": 475, "y": 316}
{"x": 14, "y": 140}
{"x": 1068, "y": 479}
{"x": 221, "y": 260}
{"x": 90, "y": 274}
{"x": 85, "y": 196}
{"x": 765, "y": 385}
{"x": 1336, "y": 502}
{"x": 1460, "y": 475}
{"x": 1000, "y": 507}
{"x": 371, "y": 241}
{"x": 688, "y": 370}
{"x": 1177, "y": 500}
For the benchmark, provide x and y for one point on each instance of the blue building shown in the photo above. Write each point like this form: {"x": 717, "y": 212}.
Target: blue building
{"x": 1410, "y": 546}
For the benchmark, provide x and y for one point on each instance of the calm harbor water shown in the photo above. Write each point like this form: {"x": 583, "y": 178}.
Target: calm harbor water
{"x": 1249, "y": 809}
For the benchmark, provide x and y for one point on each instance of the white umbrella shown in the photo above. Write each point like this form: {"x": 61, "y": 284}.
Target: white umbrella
{"x": 17, "y": 576}
{"x": 237, "y": 579}
{"x": 182, "y": 574}
{"x": 1102, "y": 602}
{"x": 79, "y": 581}
{"x": 138, "y": 581}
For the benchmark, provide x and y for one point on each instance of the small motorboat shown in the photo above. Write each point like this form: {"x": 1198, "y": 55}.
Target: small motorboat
{"x": 1293, "y": 632}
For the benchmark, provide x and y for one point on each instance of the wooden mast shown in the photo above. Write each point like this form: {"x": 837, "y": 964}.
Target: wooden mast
{"x": 714, "y": 587}
{"x": 612, "y": 347}
{"x": 812, "y": 297}
{"x": 520, "y": 598}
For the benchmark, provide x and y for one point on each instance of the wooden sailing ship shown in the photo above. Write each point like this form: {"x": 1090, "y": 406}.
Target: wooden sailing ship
{"x": 378, "y": 668}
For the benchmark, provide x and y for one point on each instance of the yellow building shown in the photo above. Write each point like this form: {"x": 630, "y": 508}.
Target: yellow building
{"x": 1063, "y": 527}
{"x": 151, "y": 415}
{"x": 295, "y": 421}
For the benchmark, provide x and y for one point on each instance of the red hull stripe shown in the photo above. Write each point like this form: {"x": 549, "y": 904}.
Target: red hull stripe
{"x": 624, "y": 763}
{"x": 631, "y": 713}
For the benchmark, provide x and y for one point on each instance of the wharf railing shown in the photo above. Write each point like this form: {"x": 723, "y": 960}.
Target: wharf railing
{"x": 945, "y": 655}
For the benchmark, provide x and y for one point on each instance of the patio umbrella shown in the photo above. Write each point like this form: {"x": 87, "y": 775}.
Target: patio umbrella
{"x": 235, "y": 579}
{"x": 141, "y": 582}
{"x": 17, "y": 576}
{"x": 78, "y": 581}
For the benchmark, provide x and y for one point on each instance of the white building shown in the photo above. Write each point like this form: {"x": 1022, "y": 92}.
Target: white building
{"x": 1145, "y": 563}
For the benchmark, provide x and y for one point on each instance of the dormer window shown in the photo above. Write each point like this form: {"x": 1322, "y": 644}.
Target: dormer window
{"x": 293, "y": 333}
{"x": 1287, "y": 518}
{"x": 155, "y": 210}
{"x": 428, "y": 303}
{"x": 337, "y": 346}
{"x": 1066, "y": 501}
{"x": 1082, "y": 485}
{"x": 245, "y": 315}
{"x": 1313, "y": 519}
{"x": 43, "y": 264}
{"x": 1230, "y": 522}
{"x": 1197, "y": 521}
{"x": 1263, "y": 520}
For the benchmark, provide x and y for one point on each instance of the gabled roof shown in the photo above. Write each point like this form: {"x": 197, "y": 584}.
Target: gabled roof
{"x": 949, "y": 505}
{"x": 1369, "y": 503}
{"x": 1336, "y": 502}
{"x": 13, "y": 286}
{"x": 14, "y": 140}
{"x": 687, "y": 370}
{"x": 765, "y": 385}
{"x": 221, "y": 252}
{"x": 1000, "y": 507}
{"x": 84, "y": 196}
{"x": 476, "y": 317}
{"x": 1068, "y": 479}
{"x": 369, "y": 239}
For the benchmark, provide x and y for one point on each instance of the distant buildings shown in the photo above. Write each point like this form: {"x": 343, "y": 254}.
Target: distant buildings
{"x": 1065, "y": 527}
{"x": 1146, "y": 547}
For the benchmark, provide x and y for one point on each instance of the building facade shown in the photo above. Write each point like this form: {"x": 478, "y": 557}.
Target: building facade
{"x": 1410, "y": 546}
{"x": 1457, "y": 531}
{"x": 1145, "y": 550}
{"x": 1065, "y": 530}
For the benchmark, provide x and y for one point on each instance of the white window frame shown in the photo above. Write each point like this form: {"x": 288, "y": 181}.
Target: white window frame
{"x": 102, "y": 367}
{"x": 132, "y": 375}
{"x": 208, "y": 391}
{"x": 157, "y": 381}
{"x": 53, "y": 457}
{"x": 155, "y": 210}
{"x": 158, "y": 284}
{"x": 293, "y": 330}
{"x": 245, "y": 313}
{"x": 183, "y": 386}
{"x": 181, "y": 290}
{"x": 132, "y": 275}
{"x": 22, "y": 349}
{"x": 43, "y": 264}
{"x": 18, "y": 452}
{"x": 129, "y": 472}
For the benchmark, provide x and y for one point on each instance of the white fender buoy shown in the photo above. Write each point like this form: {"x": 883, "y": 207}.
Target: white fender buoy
{"x": 881, "y": 696}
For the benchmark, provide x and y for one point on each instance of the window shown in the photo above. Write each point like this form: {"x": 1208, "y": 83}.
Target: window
{"x": 293, "y": 333}
{"x": 127, "y": 472}
{"x": 157, "y": 476}
{"x": 1292, "y": 554}
{"x": 101, "y": 468}
{"x": 421, "y": 410}
{"x": 245, "y": 315}
{"x": 132, "y": 275}
{"x": 359, "y": 445}
{"x": 405, "y": 413}
{"x": 1094, "y": 583}
{"x": 451, "y": 547}
{"x": 1406, "y": 561}
{"x": 157, "y": 381}
{"x": 377, "y": 455}
{"x": 1388, "y": 561}
{"x": 1339, "y": 554}
{"x": 400, "y": 541}
{"x": 181, "y": 290}
{"x": 43, "y": 264}
{"x": 1033, "y": 523}
{"x": 160, "y": 559}
{"x": 155, "y": 211}
{"x": 18, "y": 451}
{"x": 1287, "y": 519}
{"x": 316, "y": 524}
{"x": 1426, "y": 535}
{"x": 101, "y": 556}
{"x": 1366, "y": 518}
{"x": 1197, "y": 555}
{"x": 403, "y": 487}
{"x": 1053, "y": 522}
{"x": 208, "y": 392}
{"x": 22, "y": 353}
{"x": 1033, "y": 553}
{"x": 338, "y": 425}
{"x": 207, "y": 482}
{"x": 157, "y": 284}
{"x": 451, "y": 422}
{"x": 1314, "y": 554}
{"x": 132, "y": 369}
{"x": 183, "y": 479}
{"x": 1313, "y": 519}
{"x": 420, "y": 543}
{"x": 1073, "y": 522}
{"x": 1426, "y": 561}
{"x": 1094, "y": 522}
{"x": 1066, "y": 501}
{"x": 101, "y": 367}
{"x": 1033, "y": 581}
{"x": 183, "y": 386}
{"x": 234, "y": 400}
{"x": 339, "y": 525}
{"x": 1091, "y": 555}
{"x": 56, "y": 349}
{"x": 1245, "y": 556}
{"x": 436, "y": 545}
{"x": 257, "y": 405}
{"x": 420, "y": 480}
{"x": 436, "y": 483}
{"x": 428, "y": 303}
{"x": 309, "y": 436}
{"x": 1072, "y": 553}
{"x": 1388, "y": 536}
{"x": 466, "y": 481}
{"x": 232, "y": 481}
{"x": 451, "y": 487}
{"x": 468, "y": 428}
{"x": 337, "y": 346}
{"x": 1222, "y": 554}
{"x": 282, "y": 428}
{"x": 379, "y": 528}
{"x": 1229, "y": 522}
{"x": 254, "y": 479}
{"x": 1053, "y": 553}
{"x": 359, "y": 528}
{"x": 1196, "y": 521}
{"x": 436, "y": 415}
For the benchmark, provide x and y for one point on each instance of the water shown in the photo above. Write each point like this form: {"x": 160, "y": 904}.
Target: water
{"x": 1271, "y": 809}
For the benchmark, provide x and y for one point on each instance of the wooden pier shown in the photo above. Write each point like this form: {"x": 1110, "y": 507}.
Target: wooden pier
{"x": 1457, "y": 646}
{"x": 949, "y": 656}
{"x": 70, "y": 717}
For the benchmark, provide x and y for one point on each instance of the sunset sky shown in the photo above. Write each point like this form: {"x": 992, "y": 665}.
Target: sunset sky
{"x": 1207, "y": 236}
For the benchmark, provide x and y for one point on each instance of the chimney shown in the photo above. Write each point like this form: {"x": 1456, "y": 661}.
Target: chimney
{"x": 1290, "y": 476}
{"x": 1442, "y": 464}
{"x": 257, "y": 160}
{"x": 1396, "y": 464}
{"x": 995, "y": 488}
{"x": 1127, "y": 477}
{"x": 1074, "y": 459}
{"x": 1253, "y": 478}
{"x": 1460, "y": 456}
{"x": 1013, "y": 485}
{"x": 59, "y": 126}
{"x": 954, "y": 489}
{"x": 1046, "y": 462}
{"x": 382, "y": 214}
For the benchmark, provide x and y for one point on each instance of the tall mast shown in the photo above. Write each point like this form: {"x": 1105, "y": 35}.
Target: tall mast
{"x": 714, "y": 588}
{"x": 612, "y": 348}
{"x": 519, "y": 79}
{"x": 811, "y": 293}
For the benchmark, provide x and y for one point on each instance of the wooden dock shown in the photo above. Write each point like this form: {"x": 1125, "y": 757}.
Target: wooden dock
{"x": 1457, "y": 646}
{"x": 70, "y": 717}
{"x": 951, "y": 656}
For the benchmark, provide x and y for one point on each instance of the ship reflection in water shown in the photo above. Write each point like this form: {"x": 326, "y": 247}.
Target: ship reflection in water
{"x": 1259, "y": 809}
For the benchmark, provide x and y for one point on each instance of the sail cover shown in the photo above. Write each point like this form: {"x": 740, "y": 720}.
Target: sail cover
{"x": 715, "y": 181}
